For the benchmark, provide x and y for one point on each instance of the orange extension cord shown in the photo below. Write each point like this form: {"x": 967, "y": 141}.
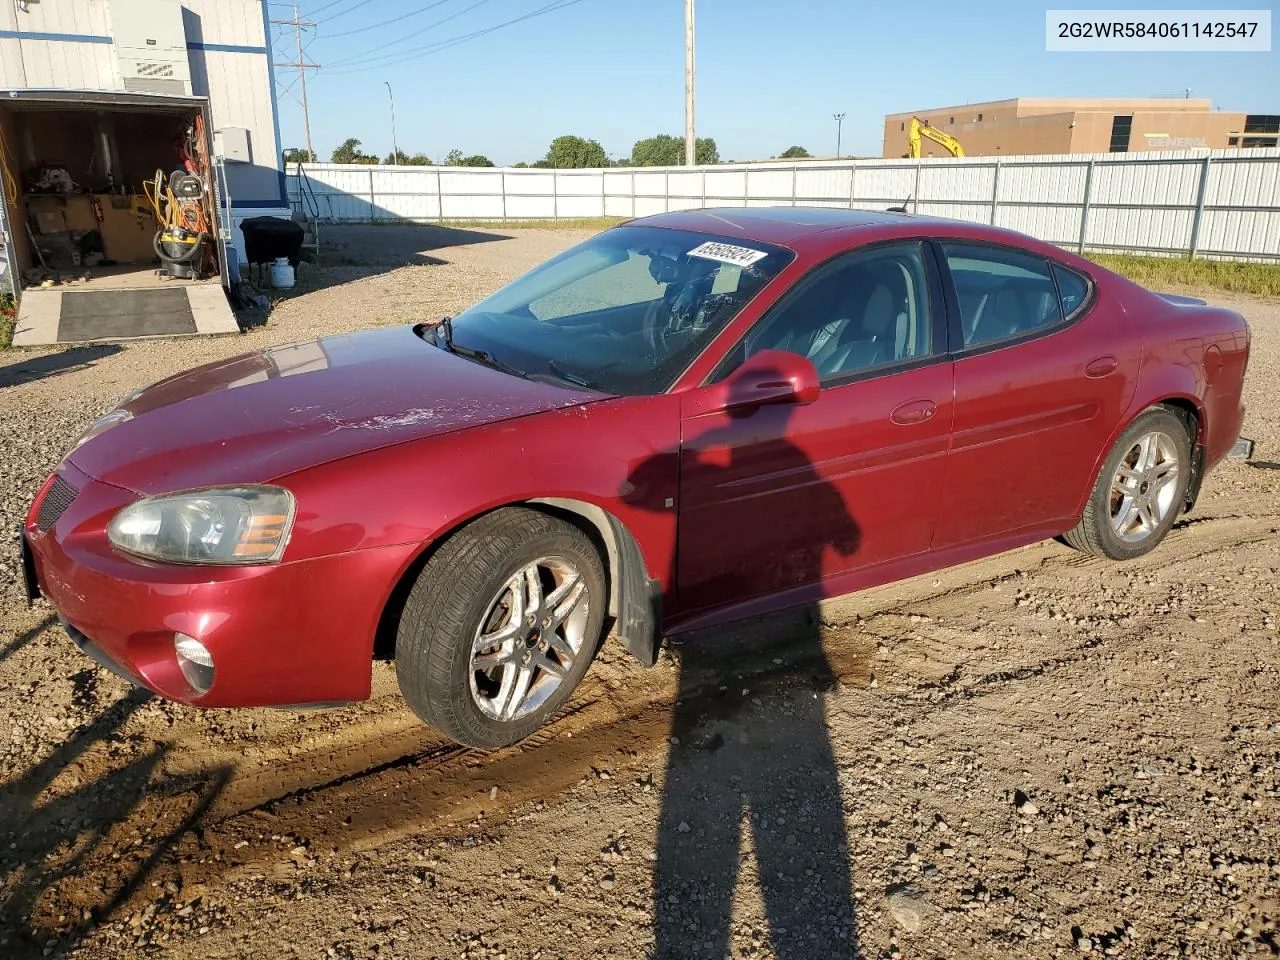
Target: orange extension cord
{"x": 189, "y": 213}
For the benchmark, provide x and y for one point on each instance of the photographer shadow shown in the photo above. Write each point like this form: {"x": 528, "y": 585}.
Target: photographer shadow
{"x": 750, "y": 754}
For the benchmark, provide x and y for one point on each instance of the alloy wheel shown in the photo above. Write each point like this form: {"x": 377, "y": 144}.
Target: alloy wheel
{"x": 1144, "y": 487}
{"x": 532, "y": 633}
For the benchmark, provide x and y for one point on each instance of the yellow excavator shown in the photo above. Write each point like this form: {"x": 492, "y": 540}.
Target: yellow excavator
{"x": 918, "y": 128}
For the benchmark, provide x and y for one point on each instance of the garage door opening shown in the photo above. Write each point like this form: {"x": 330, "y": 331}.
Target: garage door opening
{"x": 113, "y": 216}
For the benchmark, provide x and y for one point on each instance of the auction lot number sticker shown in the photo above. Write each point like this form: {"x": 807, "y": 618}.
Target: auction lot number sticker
{"x": 727, "y": 253}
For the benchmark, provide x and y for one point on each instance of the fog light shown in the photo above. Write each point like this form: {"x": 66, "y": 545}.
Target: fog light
{"x": 195, "y": 661}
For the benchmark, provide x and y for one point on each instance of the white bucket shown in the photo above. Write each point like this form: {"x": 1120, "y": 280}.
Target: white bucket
{"x": 281, "y": 273}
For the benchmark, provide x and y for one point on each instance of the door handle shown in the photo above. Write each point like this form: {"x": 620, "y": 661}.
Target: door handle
{"x": 1101, "y": 367}
{"x": 913, "y": 411}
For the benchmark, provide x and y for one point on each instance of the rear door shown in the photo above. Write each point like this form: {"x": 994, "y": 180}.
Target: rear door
{"x": 779, "y": 497}
{"x": 1042, "y": 376}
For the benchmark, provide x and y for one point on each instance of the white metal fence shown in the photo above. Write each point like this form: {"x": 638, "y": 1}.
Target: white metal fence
{"x": 1221, "y": 204}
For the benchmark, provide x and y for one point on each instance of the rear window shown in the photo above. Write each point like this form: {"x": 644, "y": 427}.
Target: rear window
{"x": 1073, "y": 289}
{"x": 1002, "y": 293}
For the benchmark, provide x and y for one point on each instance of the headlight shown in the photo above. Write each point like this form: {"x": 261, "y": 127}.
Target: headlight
{"x": 110, "y": 419}
{"x": 218, "y": 525}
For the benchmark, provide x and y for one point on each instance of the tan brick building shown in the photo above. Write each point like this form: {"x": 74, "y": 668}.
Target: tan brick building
{"x": 1028, "y": 125}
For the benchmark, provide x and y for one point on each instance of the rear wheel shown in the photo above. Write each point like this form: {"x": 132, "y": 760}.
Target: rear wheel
{"x": 500, "y": 626}
{"x": 1139, "y": 491}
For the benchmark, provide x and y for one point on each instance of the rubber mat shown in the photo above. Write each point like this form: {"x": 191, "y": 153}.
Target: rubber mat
{"x": 109, "y": 314}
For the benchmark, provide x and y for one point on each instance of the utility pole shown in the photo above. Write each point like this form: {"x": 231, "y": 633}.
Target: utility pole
{"x": 302, "y": 66}
{"x": 839, "y": 119}
{"x": 395, "y": 149}
{"x": 690, "y": 138}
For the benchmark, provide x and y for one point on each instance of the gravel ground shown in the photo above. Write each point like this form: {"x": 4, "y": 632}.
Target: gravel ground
{"x": 1034, "y": 755}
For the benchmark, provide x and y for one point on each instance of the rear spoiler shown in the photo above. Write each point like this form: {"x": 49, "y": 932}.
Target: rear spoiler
{"x": 1182, "y": 301}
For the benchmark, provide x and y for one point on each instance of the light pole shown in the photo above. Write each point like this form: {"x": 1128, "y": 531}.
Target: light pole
{"x": 839, "y": 119}
{"x": 395, "y": 149}
{"x": 690, "y": 139}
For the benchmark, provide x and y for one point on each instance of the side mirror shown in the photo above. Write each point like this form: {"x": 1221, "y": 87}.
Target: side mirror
{"x": 771, "y": 376}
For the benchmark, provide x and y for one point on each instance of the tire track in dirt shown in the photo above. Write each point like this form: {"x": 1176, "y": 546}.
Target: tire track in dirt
{"x": 435, "y": 787}
{"x": 368, "y": 786}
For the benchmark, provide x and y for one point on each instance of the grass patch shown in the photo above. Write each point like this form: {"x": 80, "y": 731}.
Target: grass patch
{"x": 8, "y": 318}
{"x": 1155, "y": 273}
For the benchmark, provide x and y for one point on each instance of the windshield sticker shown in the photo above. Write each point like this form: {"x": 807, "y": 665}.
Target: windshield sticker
{"x": 728, "y": 253}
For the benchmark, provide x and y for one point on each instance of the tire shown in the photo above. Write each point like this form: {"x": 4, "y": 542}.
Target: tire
{"x": 1129, "y": 513}
{"x": 494, "y": 693}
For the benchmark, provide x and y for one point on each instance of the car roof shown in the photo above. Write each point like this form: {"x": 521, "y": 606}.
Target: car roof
{"x": 769, "y": 224}
{"x": 816, "y": 228}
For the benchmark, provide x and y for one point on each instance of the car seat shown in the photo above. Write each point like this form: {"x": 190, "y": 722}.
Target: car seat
{"x": 880, "y": 335}
{"x": 1004, "y": 315}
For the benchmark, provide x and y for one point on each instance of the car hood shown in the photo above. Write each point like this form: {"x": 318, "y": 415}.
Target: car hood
{"x": 259, "y": 416}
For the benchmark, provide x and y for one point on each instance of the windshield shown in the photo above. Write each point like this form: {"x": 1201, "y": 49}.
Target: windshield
{"x": 623, "y": 313}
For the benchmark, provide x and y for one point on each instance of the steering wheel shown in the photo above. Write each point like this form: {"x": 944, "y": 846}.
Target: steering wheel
{"x": 654, "y": 327}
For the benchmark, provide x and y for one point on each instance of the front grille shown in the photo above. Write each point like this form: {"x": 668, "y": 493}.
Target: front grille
{"x": 59, "y": 496}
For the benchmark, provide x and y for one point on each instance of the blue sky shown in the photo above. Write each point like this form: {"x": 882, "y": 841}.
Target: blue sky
{"x": 770, "y": 72}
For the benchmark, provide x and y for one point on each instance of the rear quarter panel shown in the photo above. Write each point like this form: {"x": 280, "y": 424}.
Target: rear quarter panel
{"x": 1193, "y": 353}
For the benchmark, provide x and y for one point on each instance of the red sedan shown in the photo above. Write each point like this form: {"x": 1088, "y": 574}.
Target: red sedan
{"x": 685, "y": 420}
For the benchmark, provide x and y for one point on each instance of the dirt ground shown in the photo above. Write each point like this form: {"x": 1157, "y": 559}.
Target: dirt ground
{"x": 1035, "y": 755}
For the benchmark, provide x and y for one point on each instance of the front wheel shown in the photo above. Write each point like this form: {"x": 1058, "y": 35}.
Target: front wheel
{"x": 500, "y": 627}
{"x": 1139, "y": 491}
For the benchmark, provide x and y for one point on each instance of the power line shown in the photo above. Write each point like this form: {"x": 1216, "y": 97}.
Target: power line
{"x": 375, "y": 26}
{"x": 302, "y": 66}
{"x": 343, "y": 13}
{"x": 332, "y": 3}
{"x": 407, "y": 36}
{"x": 405, "y": 55}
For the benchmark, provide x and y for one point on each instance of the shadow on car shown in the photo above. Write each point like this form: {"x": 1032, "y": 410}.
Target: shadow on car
{"x": 756, "y": 762}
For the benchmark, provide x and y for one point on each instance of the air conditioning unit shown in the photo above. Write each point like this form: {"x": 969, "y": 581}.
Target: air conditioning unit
{"x": 151, "y": 46}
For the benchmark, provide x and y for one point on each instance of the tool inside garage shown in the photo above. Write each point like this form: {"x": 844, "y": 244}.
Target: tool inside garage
{"x": 181, "y": 204}
{"x": 101, "y": 194}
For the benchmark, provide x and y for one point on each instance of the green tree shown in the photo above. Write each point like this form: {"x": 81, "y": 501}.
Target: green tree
{"x": 402, "y": 158}
{"x": 665, "y": 150}
{"x": 520, "y": 166}
{"x": 295, "y": 155}
{"x": 795, "y": 153}
{"x": 456, "y": 159}
{"x": 574, "y": 152}
{"x": 349, "y": 152}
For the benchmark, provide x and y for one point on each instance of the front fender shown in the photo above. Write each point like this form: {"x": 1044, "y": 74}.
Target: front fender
{"x": 616, "y": 459}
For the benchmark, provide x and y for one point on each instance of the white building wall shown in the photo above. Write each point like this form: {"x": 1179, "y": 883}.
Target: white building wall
{"x": 67, "y": 45}
{"x": 36, "y": 61}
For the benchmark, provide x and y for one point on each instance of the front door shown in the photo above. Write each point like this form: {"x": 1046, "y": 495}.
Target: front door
{"x": 777, "y": 497}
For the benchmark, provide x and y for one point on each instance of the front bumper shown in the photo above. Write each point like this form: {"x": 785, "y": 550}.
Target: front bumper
{"x": 292, "y": 633}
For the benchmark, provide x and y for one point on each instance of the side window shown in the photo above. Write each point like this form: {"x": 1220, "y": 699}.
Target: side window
{"x": 1073, "y": 289}
{"x": 868, "y": 309}
{"x": 1002, "y": 293}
